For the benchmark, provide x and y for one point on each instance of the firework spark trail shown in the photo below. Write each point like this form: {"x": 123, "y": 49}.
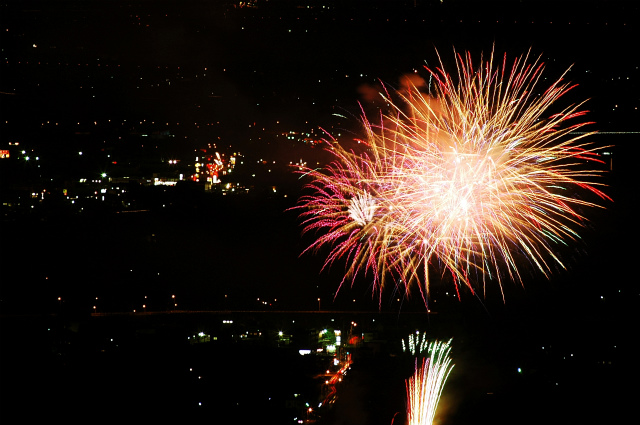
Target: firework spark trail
{"x": 416, "y": 344}
{"x": 471, "y": 180}
{"x": 425, "y": 386}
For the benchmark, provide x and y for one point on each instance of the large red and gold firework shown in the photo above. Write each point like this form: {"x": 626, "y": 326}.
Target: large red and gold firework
{"x": 474, "y": 179}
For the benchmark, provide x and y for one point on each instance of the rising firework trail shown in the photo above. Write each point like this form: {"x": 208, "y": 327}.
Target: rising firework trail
{"x": 425, "y": 386}
{"x": 474, "y": 180}
{"x": 416, "y": 343}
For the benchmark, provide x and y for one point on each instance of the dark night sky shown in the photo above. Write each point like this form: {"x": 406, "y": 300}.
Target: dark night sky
{"x": 253, "y": 73}
{"x": 278, "y": 67}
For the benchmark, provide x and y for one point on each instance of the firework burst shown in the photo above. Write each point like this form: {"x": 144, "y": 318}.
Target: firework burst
{"x": 425, "y": 386}
{"x": 475, "y": 179}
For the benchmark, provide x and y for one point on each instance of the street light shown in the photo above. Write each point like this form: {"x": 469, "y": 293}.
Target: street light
{"x": 319, "y": 304}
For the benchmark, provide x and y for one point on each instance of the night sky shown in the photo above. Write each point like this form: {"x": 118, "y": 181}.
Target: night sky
{"x": 133, "y": 84}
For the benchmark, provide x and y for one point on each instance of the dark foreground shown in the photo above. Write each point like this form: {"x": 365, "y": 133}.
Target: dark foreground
{"x": 147, "y": 367}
